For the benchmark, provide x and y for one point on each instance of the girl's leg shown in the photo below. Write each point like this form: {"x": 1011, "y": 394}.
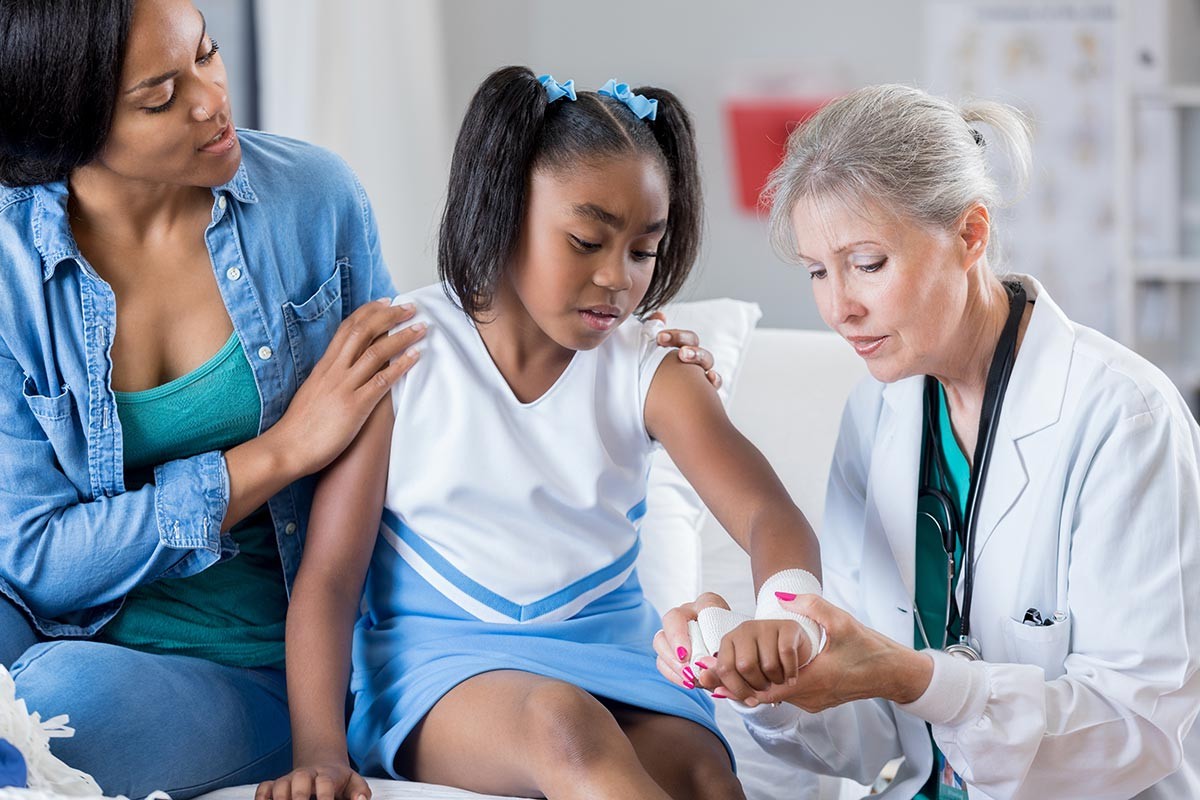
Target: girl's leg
{"x": 514, "y": 733}
{"x": 684, "y": 758}
{"x": 16, "y": 634}
{"x": 144, "y": 722}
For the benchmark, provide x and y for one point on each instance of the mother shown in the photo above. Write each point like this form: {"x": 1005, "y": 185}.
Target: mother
{"x": 1012, "y": 529}
{"x": 185, "y": 337}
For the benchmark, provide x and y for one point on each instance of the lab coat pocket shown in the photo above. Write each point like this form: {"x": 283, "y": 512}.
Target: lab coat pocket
{"x": 1044, "y": 646}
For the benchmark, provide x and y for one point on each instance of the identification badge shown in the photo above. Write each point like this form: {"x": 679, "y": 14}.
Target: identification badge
{"x": 951, "y": 786}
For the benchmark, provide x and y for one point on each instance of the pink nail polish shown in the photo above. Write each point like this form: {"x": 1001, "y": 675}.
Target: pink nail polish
{"x": 786, "y": 597}
{"x": 682, "y": 653}
{"x": 720, "y": 696}
{"x": 691, "y": 676}
{"x": 689, "y": 685}
{"x": 701, "y": 666}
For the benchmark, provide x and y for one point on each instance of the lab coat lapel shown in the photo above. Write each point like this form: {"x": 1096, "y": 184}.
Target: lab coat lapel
{"x": 895, "y": 474}
{"x": 1033, "y": 402}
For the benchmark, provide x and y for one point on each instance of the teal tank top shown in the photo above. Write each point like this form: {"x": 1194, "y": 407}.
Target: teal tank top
{"x": 234, "y": 612}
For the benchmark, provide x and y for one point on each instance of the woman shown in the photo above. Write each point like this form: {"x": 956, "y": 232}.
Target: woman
{"x": 185, "y": 338}
{"x": 1043, "y": 471}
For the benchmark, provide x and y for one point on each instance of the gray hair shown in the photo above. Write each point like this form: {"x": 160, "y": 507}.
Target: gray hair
{"x": 914, "y": 154}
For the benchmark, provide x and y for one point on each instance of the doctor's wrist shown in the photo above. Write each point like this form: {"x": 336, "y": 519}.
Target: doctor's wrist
{"x": 908, "y": 674}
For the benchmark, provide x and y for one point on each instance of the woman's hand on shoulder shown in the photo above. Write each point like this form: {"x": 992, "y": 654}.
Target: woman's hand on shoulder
{"x": 690, "y": 351}
{"x": 358, "y": 369}
{"x": 332, "y": 781}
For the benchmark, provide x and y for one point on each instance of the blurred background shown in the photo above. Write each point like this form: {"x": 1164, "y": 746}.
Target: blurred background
{"x": 1110, "y": 221}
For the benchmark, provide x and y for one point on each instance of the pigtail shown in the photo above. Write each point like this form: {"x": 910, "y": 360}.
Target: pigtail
{"x": 485, "y": 200}
{"x": 680, "y": 245}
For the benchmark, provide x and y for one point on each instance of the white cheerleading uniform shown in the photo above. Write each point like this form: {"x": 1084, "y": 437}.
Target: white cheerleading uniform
{"x": 519, "y": 511}
{"x": 510, "y": 532}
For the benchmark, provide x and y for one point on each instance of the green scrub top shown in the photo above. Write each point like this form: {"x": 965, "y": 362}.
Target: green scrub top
{"x": 934, "y": 577}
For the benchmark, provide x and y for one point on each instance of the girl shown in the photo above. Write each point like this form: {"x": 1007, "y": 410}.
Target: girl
{"x": 505, "y": 645}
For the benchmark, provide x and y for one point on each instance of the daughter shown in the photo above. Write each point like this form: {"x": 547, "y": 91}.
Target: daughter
{"x": 505, "y": 647}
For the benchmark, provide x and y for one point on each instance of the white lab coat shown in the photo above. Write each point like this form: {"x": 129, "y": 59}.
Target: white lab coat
{"x": 1092, "y": 509}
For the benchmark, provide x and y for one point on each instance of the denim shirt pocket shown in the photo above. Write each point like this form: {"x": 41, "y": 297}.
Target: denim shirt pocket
{"x": 312, "y": 323}
{"x": 57, "y": 415}
{"x": 52, "y": 411}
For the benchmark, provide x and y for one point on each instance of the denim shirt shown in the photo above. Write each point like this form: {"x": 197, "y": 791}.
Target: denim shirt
{"x": 294, "y": 248}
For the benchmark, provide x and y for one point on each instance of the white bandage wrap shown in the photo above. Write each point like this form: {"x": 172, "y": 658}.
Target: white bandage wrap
{"x": 797, "y": 582}
{"x": 709, "y": 628}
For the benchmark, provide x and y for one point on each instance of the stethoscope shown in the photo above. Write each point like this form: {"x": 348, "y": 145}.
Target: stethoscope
{"x": 957, "y": 530}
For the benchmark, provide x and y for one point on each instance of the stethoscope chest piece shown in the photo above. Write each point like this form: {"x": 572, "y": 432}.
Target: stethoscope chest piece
{"x": 964, "y": 651}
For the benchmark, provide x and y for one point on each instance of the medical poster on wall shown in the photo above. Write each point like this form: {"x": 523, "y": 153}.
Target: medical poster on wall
{"x": 1055, "y": 60}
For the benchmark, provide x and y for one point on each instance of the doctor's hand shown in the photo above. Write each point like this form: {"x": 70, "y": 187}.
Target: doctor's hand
{"x": 690, "y": 351}
{"x": 857, "y": 663}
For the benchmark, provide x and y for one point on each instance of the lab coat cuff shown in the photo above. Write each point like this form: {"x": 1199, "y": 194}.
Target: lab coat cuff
{"x": 956, "y": 693}
{"x": 768, "y": 718}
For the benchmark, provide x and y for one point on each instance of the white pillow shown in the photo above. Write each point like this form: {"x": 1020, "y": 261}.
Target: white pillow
{"x": 669, "y": 565}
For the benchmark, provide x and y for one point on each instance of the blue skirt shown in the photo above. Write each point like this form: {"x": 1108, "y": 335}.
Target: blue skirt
{"x": 405, "y": 663}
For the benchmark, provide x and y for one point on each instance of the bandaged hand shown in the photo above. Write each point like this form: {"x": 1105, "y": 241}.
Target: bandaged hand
{"x": 741, "y": 655}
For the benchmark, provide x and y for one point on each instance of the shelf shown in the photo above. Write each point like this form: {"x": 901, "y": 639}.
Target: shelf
{"x": 1168, "y": 270}
{"x": 1178, "y": 96}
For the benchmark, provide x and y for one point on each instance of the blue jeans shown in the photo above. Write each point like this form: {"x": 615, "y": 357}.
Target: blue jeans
{"x": 143, "y": 721}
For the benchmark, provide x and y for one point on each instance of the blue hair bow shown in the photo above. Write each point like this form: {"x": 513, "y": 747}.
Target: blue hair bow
{"x": 555, "y": 90}
{"x": 639, "y": 104}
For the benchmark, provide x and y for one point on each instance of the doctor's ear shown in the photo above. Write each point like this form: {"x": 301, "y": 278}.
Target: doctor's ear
{"x": 974, "y": 232}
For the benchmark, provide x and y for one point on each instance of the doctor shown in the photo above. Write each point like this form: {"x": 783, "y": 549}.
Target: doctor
{"x": 1011, "y": 542}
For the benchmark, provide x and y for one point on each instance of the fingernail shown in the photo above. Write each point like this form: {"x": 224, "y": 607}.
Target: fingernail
{"x": 689, "y": 684}
{"x": 691, "y": 676}
{"x": 384, "y": 300}
{"x": 751, "y": 702}
{"x": 412, "y": 352}
{"x": 687, "y": 354}
{"x": 681, "y": 653}
{"x": 786, "y": 597}
{"x": 420, "y": 327}
{"x": 407, "y": 307}
{"x": 663, "y": 336}
{"x": 717, "y": 694}
{"x": 700, "y": 665}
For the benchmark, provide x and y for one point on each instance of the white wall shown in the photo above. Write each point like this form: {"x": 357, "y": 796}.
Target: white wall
{"x": 365, "y": 79}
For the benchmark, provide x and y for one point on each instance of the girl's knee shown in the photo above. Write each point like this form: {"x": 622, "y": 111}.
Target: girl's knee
{"x": 712, "y": 779}
{"x": 573, "y": 728}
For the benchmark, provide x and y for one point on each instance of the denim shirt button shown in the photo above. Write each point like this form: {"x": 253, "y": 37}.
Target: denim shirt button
{"x": 221, "y": 202}
{"x": 264, "y": 352}
{"x": 290, "y": 528}
{"x": 233, "y": 273}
